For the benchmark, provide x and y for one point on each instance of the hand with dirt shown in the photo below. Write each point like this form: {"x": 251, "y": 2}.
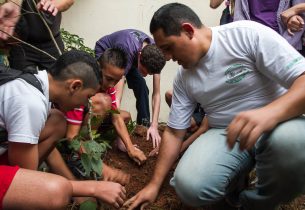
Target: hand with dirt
{"x": 137, "y": 155}
{"x": 145, "y": 197}
{"x": 153, "y": 133}
{"x": 115, "y": 175}
{"x": 110, "y": 192}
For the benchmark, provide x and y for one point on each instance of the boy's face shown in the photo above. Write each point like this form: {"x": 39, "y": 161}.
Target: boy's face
{"x": 111, "y": 76}
{"x": 76, "y": 96}
{"x": 178, "y": 48}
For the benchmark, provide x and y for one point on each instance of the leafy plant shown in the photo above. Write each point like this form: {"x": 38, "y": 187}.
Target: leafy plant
{"x": 73, "y": 41}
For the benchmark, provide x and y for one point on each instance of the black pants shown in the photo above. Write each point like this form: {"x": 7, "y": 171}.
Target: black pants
{"x": 137, "y": 83}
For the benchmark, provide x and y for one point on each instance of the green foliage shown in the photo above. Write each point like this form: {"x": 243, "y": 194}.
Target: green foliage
{"x": 88, "y": 205}
{"x": 131, "y": 126}
{"x": 73, "y": 41}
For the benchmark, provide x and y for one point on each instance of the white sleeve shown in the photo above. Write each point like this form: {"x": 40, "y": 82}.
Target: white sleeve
{"x": 276, "y": 58}
{"x": 24, "y": 117}
{"x": 182, "y": 106}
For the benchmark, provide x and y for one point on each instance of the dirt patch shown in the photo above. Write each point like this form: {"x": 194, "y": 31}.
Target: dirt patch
{"x": 167, "y": 199}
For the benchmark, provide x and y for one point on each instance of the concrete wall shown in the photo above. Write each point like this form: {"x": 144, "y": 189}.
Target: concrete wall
{"x": 92, "y": 19}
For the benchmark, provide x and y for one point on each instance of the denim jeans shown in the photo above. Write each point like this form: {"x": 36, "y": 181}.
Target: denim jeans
{"x": 208, "y": 170}
{"x": 137, "y": 83}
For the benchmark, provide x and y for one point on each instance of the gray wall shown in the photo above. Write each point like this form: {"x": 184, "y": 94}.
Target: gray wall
{"x": 92, "y": 19}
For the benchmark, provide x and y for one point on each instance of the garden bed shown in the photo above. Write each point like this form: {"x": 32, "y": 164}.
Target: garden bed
{"x": 167, "y": 199}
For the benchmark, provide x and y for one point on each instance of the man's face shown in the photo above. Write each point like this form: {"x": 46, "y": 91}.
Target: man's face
{"x": 178, "y": 48}
{"x": 111, "y": 76}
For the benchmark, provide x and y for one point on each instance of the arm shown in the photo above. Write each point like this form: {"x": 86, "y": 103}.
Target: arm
{"x": 215, "y": 3}
{"x": 119, "y": 91}
{"x": 63, "y": 5}
{"x": 134, "y": 153}
{"x": 24, "y": 155}
{"x": 295, "y": 10}
{"x": 156, "y": 98}
{"x": 204, "y": 126}
{"x": 248, "y": 126}
{"x": 169, "y": 151}
{"x": 72, "y": 131}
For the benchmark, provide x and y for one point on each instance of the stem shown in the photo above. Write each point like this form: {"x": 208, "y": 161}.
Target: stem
{"x": 23, "y": 42}
{"x": 50, "y": 32}
{"x": 89, "y": 120}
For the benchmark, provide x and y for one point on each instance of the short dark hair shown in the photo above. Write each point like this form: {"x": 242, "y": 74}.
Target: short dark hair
{"x": 77, "y": 64}
{"x": 114, "y": 56}
{"x": 170, "y": 16}
{"x": 152, "y": 59}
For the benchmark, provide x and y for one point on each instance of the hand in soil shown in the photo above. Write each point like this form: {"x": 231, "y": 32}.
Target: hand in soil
{"x": 115, "y": 175}
{"x": 110, "y": 192}
{"x": 143, "y": 198}
{"x": 137, "y": 155}
{"x": 154, "y": 152}
{"x": 153, "y": 133}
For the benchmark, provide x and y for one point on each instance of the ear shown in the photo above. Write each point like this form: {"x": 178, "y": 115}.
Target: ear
{"x": 75, "y": 85}
{"x": 188, "y": 29}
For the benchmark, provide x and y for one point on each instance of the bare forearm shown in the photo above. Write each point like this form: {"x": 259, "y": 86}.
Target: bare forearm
{"x": 215, "y": 3}
{"x": 83, "y": 188}
{"x": 58, "y": 165}
{"x": 155, "y": 108}
{"x": 168, "y": 153}
{"x": 119, "y": 91}
{"x": 122, "y": 131}
{"x": 63, "y": 5}
{"x": 290, "y": 104}
{"x": 298, "y": 8}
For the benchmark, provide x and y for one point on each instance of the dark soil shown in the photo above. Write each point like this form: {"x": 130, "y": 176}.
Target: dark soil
{"x": 167, "y": 199}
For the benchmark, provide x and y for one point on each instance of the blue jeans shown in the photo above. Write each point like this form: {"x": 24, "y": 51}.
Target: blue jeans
{"x": 208, "y": 170}
{"x": 137, "y": 83}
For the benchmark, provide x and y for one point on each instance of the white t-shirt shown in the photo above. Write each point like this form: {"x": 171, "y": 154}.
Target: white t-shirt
{"x": 24, "y": 109}
{"x": 247, "y": 66}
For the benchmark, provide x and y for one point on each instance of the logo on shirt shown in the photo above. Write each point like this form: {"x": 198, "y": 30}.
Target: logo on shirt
{"x": 235, "y": 73}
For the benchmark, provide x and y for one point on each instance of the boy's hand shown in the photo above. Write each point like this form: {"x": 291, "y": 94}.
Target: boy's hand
{"x": 137, "y": 155}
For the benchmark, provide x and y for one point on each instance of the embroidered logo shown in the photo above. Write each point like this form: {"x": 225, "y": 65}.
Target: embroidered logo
{"x": 235, "y": 73}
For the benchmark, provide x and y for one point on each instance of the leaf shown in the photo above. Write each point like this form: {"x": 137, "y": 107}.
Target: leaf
{"x": 97, "y": 166}
{"x": 86, "y": 162}
{"x": 88, "y": 205}
{"x": 75, "y": 145}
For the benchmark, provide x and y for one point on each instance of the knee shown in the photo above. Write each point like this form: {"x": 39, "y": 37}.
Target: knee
{"x": 59, "y": 190}
{"x": 197, "y": 191}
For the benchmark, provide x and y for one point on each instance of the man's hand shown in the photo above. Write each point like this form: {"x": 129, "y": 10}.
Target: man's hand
{"x": 110, "y": 192}
{"x": 248, "y": 126}
{"x": 47, "y": 6}
{"x": 9, "y": 16}
{"x": 145, "y": 197}
{"x": 153, "y": 133}
{"x": 137, "y": 155}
